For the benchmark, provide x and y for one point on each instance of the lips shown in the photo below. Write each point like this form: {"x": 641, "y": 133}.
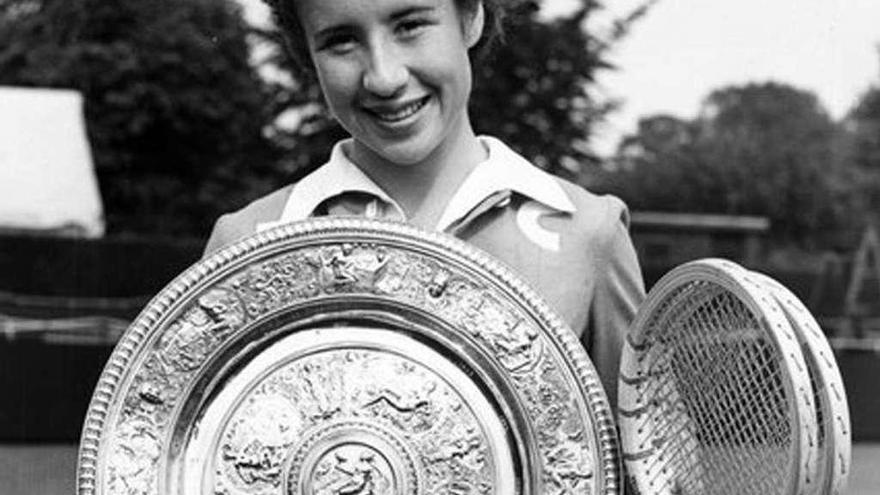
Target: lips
{"x": 397, "y": 112}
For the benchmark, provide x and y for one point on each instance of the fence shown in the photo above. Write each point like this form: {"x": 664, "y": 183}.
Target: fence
{"x": 65, "y": 302}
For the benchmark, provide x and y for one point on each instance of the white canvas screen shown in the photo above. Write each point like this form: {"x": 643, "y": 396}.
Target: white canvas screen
{"x": 47, "y": 178}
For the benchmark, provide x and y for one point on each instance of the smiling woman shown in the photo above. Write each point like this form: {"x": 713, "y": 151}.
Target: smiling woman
{"x": 397, "y": 75}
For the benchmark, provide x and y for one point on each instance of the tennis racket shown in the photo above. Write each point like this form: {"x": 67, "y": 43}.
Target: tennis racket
{"x": 829, "y": 396}
{"x": 714, "y": 393}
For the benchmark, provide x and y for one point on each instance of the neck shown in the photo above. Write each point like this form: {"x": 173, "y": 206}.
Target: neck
{"x": 423, "y": 189}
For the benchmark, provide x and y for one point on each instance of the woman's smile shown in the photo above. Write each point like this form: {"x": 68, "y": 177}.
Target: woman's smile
{"x": 393, "y": 113}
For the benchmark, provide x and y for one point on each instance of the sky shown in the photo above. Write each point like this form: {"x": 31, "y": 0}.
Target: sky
{"x": 683, "y": 49}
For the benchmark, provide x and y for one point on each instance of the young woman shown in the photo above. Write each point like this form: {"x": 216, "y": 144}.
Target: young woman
{"x": 396, "y": 74}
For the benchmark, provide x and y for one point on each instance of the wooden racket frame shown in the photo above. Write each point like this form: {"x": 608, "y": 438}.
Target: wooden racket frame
{"x": 775, "y": 324}
{"x": 832, "y": 474}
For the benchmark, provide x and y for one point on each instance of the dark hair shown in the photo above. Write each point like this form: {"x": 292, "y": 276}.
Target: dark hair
{"x": 285, "y": 16}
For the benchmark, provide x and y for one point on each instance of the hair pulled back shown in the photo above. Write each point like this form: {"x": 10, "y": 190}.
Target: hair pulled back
{"x": 286, "y": 18}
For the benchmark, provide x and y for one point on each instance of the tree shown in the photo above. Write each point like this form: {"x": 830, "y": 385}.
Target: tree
{"x": 174, "y": 110}
{"x": 762, "y": 149}
{"x": 772, "y": 144}
{"x": 533, "y": 92}
{"x": 654, "y": 164}
{"x": 865, "y": 119}
{"x": 863, "y": 126}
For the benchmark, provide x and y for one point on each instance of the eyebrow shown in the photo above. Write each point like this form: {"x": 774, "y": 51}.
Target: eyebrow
{"x": 395, "y": 16}
{"x": 408, "y": 11}
{"x": 332, "y": 30}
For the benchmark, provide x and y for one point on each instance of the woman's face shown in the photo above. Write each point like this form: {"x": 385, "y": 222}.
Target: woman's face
{"x": 395, "y": 73}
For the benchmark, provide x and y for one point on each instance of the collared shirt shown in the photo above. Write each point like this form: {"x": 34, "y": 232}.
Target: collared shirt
{"x": 340, "y": 187}
{"x": 572, "y": 246}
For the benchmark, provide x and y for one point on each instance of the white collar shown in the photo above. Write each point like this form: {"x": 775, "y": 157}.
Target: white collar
{"x": 339, "y": 175}
{"x": 504, "y": 170}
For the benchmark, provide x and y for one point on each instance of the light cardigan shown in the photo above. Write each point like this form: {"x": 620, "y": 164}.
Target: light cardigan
{"x": 572, "y": 246}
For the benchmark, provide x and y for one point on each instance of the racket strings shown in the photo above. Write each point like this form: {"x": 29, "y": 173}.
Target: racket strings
{"x": 717, "y": 395}
{"x": 659, "y": 359}
{"x": 669, "y": 406}
{"x": 662, "y": 393}
{"x": 670, "y": 309}
{"x": 735, "y": 391}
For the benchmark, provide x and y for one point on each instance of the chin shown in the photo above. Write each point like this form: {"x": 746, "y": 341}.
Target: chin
{"x": 405, "y": 158}
{"x": 403, "y": 154}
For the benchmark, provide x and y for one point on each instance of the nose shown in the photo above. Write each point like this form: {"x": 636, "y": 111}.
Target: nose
{"x": 386, "y": 73}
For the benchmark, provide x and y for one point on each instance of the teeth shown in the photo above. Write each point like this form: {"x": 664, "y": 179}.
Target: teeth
{"x": 403, "y": 112}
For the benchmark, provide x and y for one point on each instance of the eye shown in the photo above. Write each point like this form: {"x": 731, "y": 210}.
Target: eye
{"x": 411, "y": 27}
{"x": 338, "y": 43}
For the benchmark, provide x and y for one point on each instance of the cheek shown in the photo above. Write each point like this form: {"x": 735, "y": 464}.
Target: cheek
{"x": 455, "y": 64}
{"x": 457, "y": 73}
{"x": 339, "y": 84}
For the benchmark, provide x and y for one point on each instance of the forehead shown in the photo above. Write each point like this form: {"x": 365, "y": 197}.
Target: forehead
{"x": 320, "y": 14}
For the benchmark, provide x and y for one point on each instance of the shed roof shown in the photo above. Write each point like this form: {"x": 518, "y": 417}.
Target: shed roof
{"x": 696, "y": 221}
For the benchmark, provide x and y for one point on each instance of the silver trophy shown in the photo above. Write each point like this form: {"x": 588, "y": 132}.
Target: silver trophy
{"x": 348, "y": 356}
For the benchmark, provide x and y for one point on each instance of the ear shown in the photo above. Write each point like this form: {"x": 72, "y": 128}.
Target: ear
{"x": 473, "y": 28}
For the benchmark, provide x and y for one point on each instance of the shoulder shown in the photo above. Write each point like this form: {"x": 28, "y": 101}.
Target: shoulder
{"x": 235, "y": 225}
{"x": 599, "y": 217}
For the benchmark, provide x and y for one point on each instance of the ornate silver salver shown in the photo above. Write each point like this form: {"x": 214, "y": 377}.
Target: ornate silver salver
{"x": 342, "y": 357}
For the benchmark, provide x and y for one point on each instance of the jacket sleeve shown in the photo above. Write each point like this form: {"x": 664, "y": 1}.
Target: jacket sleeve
{"x": 618, "y": 293}
{"x": 238, "y": 224}
{"x": 222, "y": 234}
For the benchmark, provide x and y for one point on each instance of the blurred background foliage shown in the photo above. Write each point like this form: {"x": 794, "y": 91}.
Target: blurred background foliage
{"x": 757, "y": 149}
{"x": 192, "y": 112}
{"x": 760, "y": 149}
{"x": 174, "y": 109}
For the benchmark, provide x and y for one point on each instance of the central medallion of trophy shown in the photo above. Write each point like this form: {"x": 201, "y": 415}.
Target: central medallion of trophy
{"x": 337, "y": 417}
{"x": 352, "y": 468}
{"x": 350, "y": 458}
